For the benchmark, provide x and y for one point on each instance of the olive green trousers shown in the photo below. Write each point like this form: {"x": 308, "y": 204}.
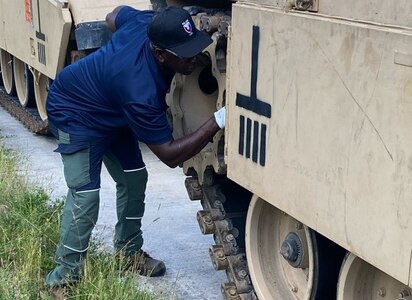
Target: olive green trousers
{"x": 81, "y": 210}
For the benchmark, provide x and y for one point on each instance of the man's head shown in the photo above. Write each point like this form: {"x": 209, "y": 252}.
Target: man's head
{"x": 175, "y": 39}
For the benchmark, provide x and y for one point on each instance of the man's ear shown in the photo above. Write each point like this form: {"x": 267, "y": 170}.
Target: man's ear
{"x": 160, "y": 55}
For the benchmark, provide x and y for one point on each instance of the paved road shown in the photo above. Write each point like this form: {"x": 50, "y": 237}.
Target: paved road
{"x": 169, "y": 225}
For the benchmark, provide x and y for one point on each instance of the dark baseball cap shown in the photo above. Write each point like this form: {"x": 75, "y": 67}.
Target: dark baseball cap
{"x": 172, "y": 28}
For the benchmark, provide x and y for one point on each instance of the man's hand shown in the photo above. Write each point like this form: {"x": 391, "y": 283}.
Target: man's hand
{"x": 174, "y": 152}
{"x": 220, "y": 117}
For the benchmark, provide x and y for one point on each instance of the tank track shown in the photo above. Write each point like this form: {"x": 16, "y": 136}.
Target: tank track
{"x": 225, "y": 206}
{"x": 29, "y": 117}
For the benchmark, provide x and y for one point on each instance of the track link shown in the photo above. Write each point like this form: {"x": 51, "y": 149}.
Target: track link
{"x": 29, "y": 117}
{"x": 224, "y": 212}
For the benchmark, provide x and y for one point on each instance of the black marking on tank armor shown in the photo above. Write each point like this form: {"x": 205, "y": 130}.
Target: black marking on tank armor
{"x": 253, "y": 104}
{"x": 41, "y": 47}
{"x": 262, "y": 154}
{"x": 248, "y": 136}
{"x": 242, "y": 134}
{"x": 255, "y": 141}
{"x": 40, "y": 35}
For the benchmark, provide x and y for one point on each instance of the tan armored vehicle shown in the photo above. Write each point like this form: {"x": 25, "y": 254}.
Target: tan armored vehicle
{"x": 39, "y": 37}
{"x": 308, "y": 189}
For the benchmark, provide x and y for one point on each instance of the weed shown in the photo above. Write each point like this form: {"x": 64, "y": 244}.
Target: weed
{"x": 29, "y": 232}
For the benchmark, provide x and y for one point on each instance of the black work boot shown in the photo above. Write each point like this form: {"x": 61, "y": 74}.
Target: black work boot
{"x": 145, "y": 265}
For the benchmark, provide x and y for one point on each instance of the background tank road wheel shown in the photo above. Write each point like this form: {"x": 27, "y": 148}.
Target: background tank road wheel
{"x": 6, "y": 65}
{"x": 23, "y": 79}
{"x": 359, "y": 280}
{"x": 286, "y": 259}
{"x": 41, "y": 89}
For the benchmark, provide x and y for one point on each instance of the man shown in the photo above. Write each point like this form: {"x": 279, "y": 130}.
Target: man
{"x": 100, "y": 108}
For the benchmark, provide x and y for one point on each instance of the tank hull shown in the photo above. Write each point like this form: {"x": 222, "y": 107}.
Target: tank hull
{"x": 318, "y": 125}
{"x": 43, "y": 36}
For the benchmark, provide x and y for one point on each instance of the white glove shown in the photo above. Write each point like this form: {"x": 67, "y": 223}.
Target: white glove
{"x": 220, "y": 117}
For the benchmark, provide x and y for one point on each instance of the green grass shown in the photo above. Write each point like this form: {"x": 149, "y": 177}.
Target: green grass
{"x": 29, "y": 232}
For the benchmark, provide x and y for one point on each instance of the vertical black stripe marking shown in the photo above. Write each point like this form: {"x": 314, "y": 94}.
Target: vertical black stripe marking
{"x": 255, "y": 56}
{"x": 242, "y": 135}
{"x": 255, "y": 148}
{"x": 39, "y": 34}
{"x": 248, "y": 136}
{"x": 39, "y": 51}
{"x": 262, "y": 156}
{"x": 38, "y": 14}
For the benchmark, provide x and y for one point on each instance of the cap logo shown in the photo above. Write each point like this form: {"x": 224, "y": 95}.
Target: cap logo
{"x": 187, "y": 26}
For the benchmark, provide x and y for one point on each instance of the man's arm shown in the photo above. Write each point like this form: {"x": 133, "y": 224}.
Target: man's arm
{"x": 175, "y": 152}
{"x": 111, "y": 18}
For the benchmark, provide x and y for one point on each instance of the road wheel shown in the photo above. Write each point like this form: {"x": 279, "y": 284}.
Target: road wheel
{"x": 359, "y": 280}
{"x": 6, "y": 66}
{"x": 286, "y": 259}
{"x": 41, "y": 89}
{"x": 23, "y": 79}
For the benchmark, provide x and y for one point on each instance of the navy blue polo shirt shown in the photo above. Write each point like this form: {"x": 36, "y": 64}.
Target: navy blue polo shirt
{"x": 119, "y": 85}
